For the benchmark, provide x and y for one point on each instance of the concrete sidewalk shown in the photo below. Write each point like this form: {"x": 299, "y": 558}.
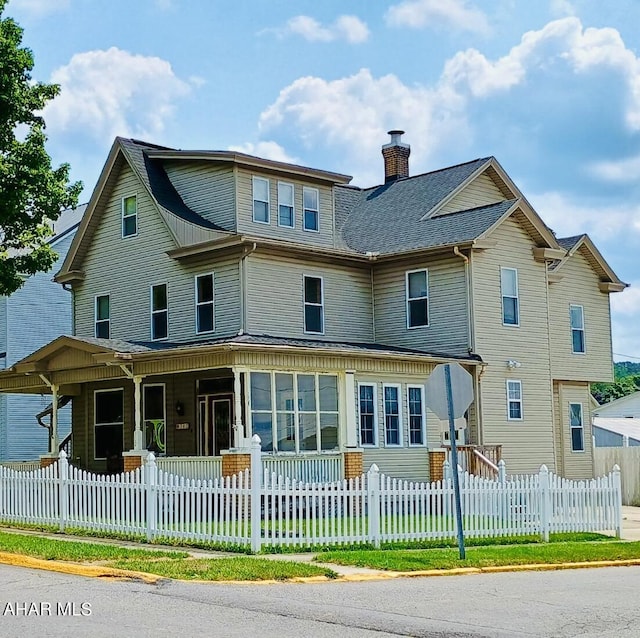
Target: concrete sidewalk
{"x": 630, "y": 523}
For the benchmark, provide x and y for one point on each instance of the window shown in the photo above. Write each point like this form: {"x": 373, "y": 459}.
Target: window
{"x": 204, "y": 303}
{"x": 417, "y": 298}
{"x": 103, "y": 317}
{"x": 313, "y": 305}
{"x": 392, "y": 419}
{"x": 285, "y": 205}
{"x": 367, "y": 410}
{"x": 509, "y": 287}
{"x": 129, "y": 216}
{"x": 514, "y": 400}
{"x": 577, "y": 427}
{"x": 577, "y": 329}
{"x": 415, "y": 403}
{"x": 108, "y": 423}
{"x": 311, "y": 208}
{"x": 260, "y": 200}
{"x": 297, "y": 411}
{"x": 159, "y": 312}
{"x": 154, "y": 418}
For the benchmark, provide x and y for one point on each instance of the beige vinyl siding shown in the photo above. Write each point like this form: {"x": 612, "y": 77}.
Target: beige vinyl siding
{"x": 245, "y": 210}
{"x": 527, "y": 443}
{"x": 480, "y": 192}
{"x": 408, "y": 463}
{"x": 206, "y": 188}
{"x": 575, "y": 465}
{"x": 126, "y": 268}
{"x": 447, "y": 331}
{"x": 275, "y": 299}
{"x": 579, "y": 286}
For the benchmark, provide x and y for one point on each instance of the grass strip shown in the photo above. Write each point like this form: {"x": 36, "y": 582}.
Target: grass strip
{"x": 488, "y": 556}
{"x": 216, "y": 569}
{"x": 78, "y": 551}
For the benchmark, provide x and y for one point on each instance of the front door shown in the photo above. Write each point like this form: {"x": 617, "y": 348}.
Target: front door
{"x": 215, "y": 424}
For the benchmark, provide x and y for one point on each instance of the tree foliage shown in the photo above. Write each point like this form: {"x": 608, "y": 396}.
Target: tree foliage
{"x": 627, "y": 381}
{"x": 32, "y": 193}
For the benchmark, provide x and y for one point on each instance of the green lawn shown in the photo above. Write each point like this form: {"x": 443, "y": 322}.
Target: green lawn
{"x": 487, "y": 556}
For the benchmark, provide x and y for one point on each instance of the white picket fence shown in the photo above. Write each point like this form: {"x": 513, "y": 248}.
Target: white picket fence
{"x": 279, "y": 511}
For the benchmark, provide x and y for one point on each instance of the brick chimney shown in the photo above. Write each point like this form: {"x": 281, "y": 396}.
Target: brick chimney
{"x": 396, "y": 158}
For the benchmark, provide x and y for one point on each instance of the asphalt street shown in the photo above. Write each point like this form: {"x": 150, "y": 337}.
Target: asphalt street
{"x": 600, "y": 603}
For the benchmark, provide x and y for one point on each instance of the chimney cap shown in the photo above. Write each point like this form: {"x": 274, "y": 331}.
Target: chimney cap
{"x": 396, "y": 134}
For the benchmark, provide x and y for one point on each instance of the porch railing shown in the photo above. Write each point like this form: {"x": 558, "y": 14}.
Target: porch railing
{"x": 193, "y": 467}
{"x": 305, "y": 468}
{"x": 21, "y": 466}
{"x": 479, "y": 460}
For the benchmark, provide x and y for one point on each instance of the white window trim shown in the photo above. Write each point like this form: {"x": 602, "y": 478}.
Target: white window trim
{"x": 384, "y": 412}
{"x": 424, "y": 416}
{"x": 154, "y": 312}
{"x": 408, "y": 299}
{"x": 517, "y": 298}
{"x": 305, "y": 303}
{"x": 212, "y": 302}
{"x": 254, "y": 199}
{"x": 573, "y": 427}
{"x": 584, "y": 332}
{"x": 95, "y": 314}
{"x": 520, "y": 401}
{"x": 95, "y": 392}
{"x": 123, "y": 216}
{"x": 293, "y": 204}
{"x": 164, "y": 406}
{"x": 375, "y": 444}
{"x": 317, "y": 210}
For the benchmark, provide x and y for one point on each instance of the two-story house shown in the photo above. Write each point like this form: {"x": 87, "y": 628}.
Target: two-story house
{"x": 219, "y": 295}
{"x": 29, "y": 318}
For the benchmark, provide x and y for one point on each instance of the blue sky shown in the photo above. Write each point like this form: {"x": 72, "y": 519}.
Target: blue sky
{"x": 551, "y": 88}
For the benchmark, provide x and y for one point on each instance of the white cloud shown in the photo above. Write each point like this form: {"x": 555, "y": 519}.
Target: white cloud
{"x": 353, "y": 114}
{"x": 346, "y": 27}
{"x": 39, "y": 8}
{"x": 625, "y": 170}
{"x": 567, "y": 217}
{"x": 268, "y": 150}
{"x": 562, "y": 8}
{"x": 113, "y": 92}
{"x": 425, "y": 13}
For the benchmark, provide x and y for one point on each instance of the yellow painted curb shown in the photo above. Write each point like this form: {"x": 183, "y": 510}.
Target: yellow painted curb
{"x": 77, "y": 569}
{"x": 557, "y": 566}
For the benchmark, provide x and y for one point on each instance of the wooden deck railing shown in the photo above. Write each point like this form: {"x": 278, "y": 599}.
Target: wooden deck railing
{"x": 481, "y": 460}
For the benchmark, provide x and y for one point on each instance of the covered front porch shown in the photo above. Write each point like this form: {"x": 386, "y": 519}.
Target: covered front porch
{"x": 196, "y": 406}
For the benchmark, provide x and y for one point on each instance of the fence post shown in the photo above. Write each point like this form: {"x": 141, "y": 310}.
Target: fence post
{"x": 373, "y": 504}
{"x": 149, "y": 482}
{"x": 256, "y": 493}
{"x": 63, "y": 478}
{"x": 545, "y": 503}
{"x": 502, "y": 472}
{"x": 617, "y": 486}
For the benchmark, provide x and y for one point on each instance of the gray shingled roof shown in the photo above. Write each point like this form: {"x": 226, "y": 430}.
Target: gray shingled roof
{"x": 159, "y": 184}
{"x": 569, "y": 242}
{"x": 387, "y": 219}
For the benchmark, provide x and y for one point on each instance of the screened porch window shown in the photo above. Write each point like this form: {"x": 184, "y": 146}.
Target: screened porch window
{"x": 154, "y": 419}
{"x": 294, "y": 412}
{"x": 108, "y": 423}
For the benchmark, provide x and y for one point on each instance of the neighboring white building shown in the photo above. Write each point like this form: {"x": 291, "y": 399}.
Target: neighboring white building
{"x": 617, "y": 424}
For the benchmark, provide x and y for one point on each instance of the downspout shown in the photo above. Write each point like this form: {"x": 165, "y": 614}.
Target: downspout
{"x": 553, "y": 407}
{"x": 243, "y": 286}
{"x": 69, "y": 288}
{"x": 373, "y": 257}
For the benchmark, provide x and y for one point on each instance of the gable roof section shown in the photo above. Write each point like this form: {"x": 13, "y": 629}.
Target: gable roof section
{"x": 629, "y": 404}
{"x": 155, "y": 181}
{"x": 609, "y": 281}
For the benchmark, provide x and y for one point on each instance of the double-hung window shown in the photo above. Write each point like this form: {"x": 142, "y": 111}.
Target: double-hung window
{"x": 415, "y": 404}
{"x": 205, "y": 321}
{"x": 108, "y": 411}
{"x": 311, "y": 208}
{"x": 510, "y": 303}
{"x": 392, "y": 416}
{"x": 159, "y": 312}
{"x": 129, "y": 216}
{"x": 260, "y": 200}
{"x": 577, "y": 329}
{"x": 367, "y": 412}
{"x": 417, "y": 291}
{"x": 103, "y": 317}
{"x": 285, "y": 205}
{"x": 313, "y": 305}
{"x": 514, "y": 400}
{"x": 577, "y": 427}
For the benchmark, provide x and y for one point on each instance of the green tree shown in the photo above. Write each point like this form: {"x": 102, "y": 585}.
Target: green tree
{"x": 32, "y": 193}
{"x": 627, "y": 381}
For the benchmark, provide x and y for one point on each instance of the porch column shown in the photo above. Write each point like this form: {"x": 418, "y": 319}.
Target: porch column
{"x": 53, "y": 441}
{"x": 351, "y": 440}
{"x": 138, "y": 434}
{"x": 238, "y": 428}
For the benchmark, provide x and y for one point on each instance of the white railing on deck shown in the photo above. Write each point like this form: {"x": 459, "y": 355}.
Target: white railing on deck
{"x": 253, "y": 510}
{"x": 22, "y": 466}
{"x": 194, "y": 467}
{"x": 312, "y": 468}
